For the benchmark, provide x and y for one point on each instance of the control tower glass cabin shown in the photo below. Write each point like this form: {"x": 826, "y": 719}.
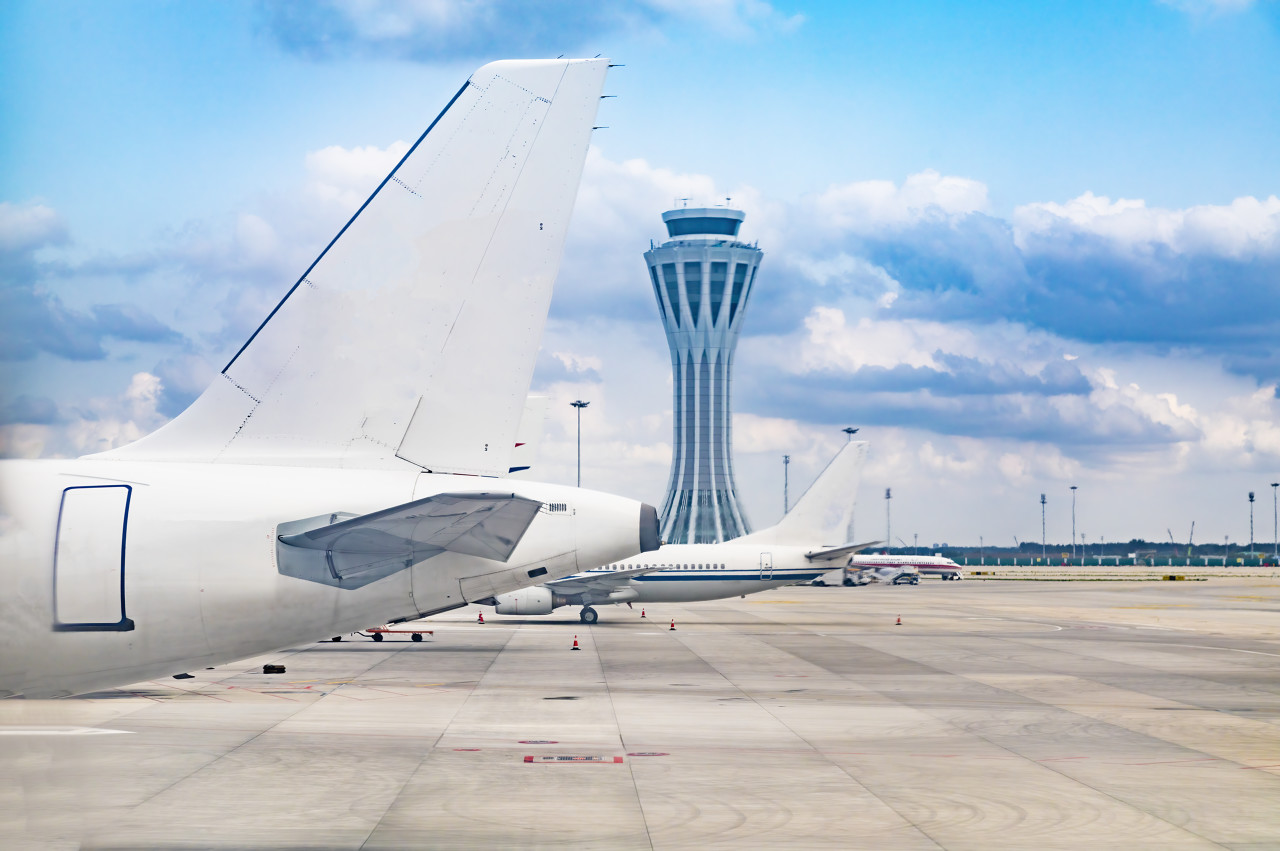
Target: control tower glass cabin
{"x": 702, "y": 278}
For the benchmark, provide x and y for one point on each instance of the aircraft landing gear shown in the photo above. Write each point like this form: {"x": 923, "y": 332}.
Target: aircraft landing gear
{"x": 588, "y": 615}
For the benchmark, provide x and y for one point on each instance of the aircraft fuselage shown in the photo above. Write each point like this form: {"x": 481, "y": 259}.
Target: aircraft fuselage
{"x": 120, "y": 571}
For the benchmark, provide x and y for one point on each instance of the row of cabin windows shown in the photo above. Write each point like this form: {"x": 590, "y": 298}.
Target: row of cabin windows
{"x": 668, "y": 566}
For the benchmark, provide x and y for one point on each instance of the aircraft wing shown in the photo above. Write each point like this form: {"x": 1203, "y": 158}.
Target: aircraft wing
{"x": 604, "y": 581}
{"x": 840, "y": 552}
{"x": 356, "y": 551}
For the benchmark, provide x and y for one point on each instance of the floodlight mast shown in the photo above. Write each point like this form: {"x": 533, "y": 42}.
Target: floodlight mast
{"x": 1275, "y": 524}
{"x": 786, "y": 483}
{"x": 579, "y": 404}
{"x": 888, "y": 518}
{"x": 1251, "y": 522}
{"x": 1044, "y": 547}
{"x": 1073, "y": 521}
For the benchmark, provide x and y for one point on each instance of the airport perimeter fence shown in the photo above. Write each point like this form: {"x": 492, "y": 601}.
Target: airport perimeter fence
{"x": 1121, "y": 560}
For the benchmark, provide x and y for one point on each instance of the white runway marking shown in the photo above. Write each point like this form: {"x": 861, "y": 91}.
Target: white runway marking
{"x": 57, "y": 731}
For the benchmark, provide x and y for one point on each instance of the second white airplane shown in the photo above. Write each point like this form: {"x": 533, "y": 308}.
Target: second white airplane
{"x": 806, "y": 543}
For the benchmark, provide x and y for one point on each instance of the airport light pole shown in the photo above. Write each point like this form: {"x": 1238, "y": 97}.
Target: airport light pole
{"x": 850, "y": 431}
{"x": 1073, "y": 521}
{"x": 579, "y": 404}
{"x": 1044, "y": 547}
{"x": 786, "y": 483}
{"x": 1250, "y": 521}
{"x": 888, "y": 518}
{"x": 1275, "y": 524}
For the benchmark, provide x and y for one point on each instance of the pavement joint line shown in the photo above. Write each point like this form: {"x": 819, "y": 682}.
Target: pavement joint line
{"x": 435, "y": 745}
{"x": 1142, "y": 668}
{"x": 924, "y": 708}
{"x": 613, "y": 710}
{"x": 1064, "y": 708}
{"x": 1211, "y": 647}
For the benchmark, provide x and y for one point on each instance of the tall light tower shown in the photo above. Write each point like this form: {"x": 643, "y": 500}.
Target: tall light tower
{"x": 579, "y": 405}
{"x": 1275, "y": 524}
{"x": 1073, "y": 521}
{"x": 1044, "y": 548}
{"x": 786, "y": 483}
{"x": 1250, "y": 521}
{"x": 702, "y": 278}
{"x": 888, "y": 519}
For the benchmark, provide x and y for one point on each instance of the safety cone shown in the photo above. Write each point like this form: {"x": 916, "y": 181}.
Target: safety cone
{"x": 642, "y": 613}
{"x": 575, "y": 643}
{"x": 480, "y": 619}
{"x": 673, "y": 623}
{"x": 899, "y": 623}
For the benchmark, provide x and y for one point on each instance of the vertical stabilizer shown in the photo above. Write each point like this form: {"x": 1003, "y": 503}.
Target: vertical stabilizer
{"x": 533, "y": 424}
{"x": 821, "y": 517}
{"x": 411, "y": 340}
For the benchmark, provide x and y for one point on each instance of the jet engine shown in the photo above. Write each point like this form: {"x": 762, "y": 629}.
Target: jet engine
{"x": 537, "y": 600}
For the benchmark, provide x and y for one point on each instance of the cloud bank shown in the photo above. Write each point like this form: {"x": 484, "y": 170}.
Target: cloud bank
{"x": 441, "y": 30}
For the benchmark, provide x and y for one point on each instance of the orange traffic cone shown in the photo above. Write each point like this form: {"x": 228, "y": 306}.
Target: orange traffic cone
{"x": 642, "y": 613}
{"x": 480, "y": 619}
{"x": 673, "y": 623}
{"x": 899, "y": 623}
{"x": 575, "y": 643}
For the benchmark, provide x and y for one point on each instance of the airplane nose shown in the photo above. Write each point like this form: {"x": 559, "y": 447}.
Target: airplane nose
{"x": 649, "y": 540}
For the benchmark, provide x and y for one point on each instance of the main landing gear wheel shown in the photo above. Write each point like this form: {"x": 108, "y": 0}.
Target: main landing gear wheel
{"x": 588, "y": 615}
{"x": 417, "y": 636}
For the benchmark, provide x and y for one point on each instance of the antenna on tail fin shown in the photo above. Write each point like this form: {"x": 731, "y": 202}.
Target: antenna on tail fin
{"x": 410, "y": 342}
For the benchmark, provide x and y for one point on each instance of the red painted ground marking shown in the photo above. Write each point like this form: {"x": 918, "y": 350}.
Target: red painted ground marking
{"x": 1176, "y": 761}
{"x": 466, "y": 749}
{"x": 607, "y": 760}
{"x": 537, "y": 742}
{"x": 648, "y": 753}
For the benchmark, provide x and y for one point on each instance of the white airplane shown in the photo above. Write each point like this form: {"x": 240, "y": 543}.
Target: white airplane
{"x": 800, "y": 547}
{"x": 926, "y": 565}
{"x": 331, "y": 477}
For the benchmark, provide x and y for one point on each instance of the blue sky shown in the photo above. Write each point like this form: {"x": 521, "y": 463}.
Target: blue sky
{"x": 1023, "y": 245}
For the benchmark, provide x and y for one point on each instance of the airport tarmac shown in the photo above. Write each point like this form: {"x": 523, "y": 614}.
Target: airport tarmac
{"x": 1020, "y": 714}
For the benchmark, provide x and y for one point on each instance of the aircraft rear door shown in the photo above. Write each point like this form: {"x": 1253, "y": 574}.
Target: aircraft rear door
{"x": 89, "y": 559}
{"x": 766, "y": 565}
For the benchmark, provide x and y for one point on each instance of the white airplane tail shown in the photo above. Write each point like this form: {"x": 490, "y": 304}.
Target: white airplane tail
{"x": 533, "y": 424}
{"x": 821, "y": 517}
{"x": 411, "y": 340}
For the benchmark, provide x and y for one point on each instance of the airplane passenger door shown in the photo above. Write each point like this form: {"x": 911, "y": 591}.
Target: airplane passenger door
{"x": 766, "y": 565}
{"x": 89, "y": 559}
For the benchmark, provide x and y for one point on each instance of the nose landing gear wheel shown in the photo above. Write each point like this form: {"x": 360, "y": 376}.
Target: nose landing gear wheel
{"x": 588, "y": 615}
{"x": 377, "y": 636}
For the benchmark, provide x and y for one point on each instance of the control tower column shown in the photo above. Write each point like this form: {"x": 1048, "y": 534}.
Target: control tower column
{"x": 702, "y": 277}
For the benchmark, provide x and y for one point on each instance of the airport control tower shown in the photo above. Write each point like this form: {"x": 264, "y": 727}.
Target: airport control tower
{"x": 702, "y": 278}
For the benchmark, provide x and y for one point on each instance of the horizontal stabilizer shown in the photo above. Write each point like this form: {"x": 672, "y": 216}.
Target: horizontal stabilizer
{"x": 351, "y": 553}
{"x": 840, "y": 552}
